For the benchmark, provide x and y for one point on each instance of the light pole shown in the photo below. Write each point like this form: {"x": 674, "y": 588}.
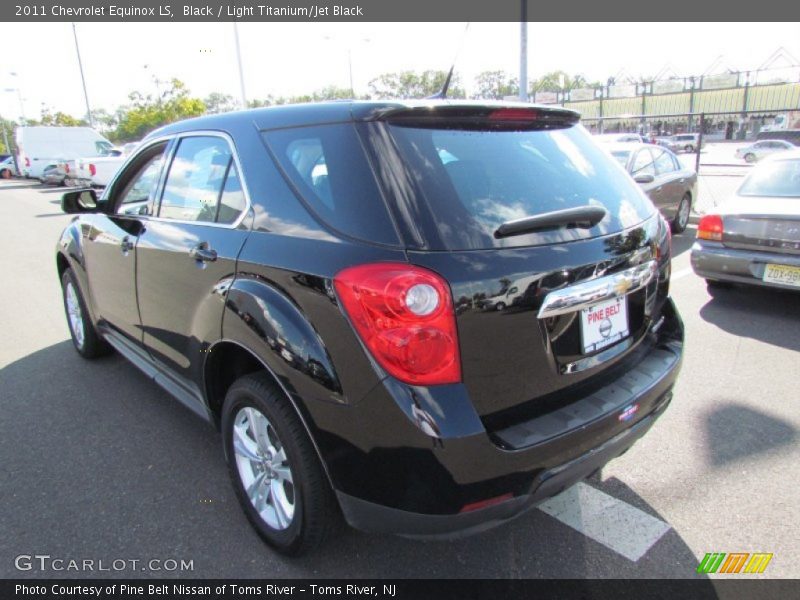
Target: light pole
{"x": 350, "y": 59}
{"x": 19, "y": 97}
{"x": 83, "y": 79}
{"x": 523, "y": 52}
{"x": 239, "y": 63}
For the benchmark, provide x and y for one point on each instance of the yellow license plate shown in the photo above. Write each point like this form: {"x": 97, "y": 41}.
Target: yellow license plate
{"x": 783, "y": 274}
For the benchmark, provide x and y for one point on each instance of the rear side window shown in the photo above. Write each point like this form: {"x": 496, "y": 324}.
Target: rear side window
{"x": 473, "y": 181}
{"x": 328, "y": 169}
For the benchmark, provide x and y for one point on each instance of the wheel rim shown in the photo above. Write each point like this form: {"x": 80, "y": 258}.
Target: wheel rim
{"x": 264, "y": 468}
{"x": 74, "y": 315}
{"x": 683, "y": 213}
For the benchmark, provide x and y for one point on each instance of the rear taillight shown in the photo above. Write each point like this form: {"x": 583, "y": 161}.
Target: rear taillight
{"x": 404, "y": 315}
{"x": 66, "y": 168}
{"x": 710, "y": 228}
{"x": 27, "y": 162}
{"x": 92, "y": 170}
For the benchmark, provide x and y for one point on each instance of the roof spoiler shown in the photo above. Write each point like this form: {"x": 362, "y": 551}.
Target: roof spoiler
{"x": 479, "y": 116}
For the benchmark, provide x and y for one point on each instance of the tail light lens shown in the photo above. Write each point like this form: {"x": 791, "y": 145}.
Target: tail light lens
{"x": 710, "y": 228}
{"x": 27, "y": 162}
{"x": 404, "y": 315}
{"x": 92, "y": 170}
{"x": 66, "y": 168}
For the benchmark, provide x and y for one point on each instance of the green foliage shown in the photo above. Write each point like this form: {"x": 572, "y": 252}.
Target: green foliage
{"x": 409, "y": 84}
{"x": 560, "y": 80}
{"x": 145, "y": 113}
{"x": 495, "y": 85}
{"x": 219, "y": 103}
{"x": 330, "y": 92}
{"x": 59, "y": 119}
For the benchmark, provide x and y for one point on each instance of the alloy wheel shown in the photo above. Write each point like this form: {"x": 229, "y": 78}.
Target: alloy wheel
{"x": 75, "y": 315}
{"x": 264, "y": 468}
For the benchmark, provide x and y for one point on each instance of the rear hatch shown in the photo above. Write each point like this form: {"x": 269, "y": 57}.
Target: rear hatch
{"x": 549, "y": 309}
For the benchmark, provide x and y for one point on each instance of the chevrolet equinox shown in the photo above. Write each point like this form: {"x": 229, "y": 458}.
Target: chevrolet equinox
{"x": 314, "y": 280}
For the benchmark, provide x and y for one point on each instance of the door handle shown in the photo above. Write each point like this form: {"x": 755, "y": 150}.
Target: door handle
{"x": 203, "y": 253}
{"x": 126, "y": 245}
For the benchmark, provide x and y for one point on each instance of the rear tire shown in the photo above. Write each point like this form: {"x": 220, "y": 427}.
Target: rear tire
{"x": 500, "y": 306}
{"x": 276, "y": 472}
{"x": 85, "y": 338}
{"x": 750, "y": 157}
{"x": 688, "y": 148}
{"x": 681, "y": 219}
{"x": 5, "y": 174}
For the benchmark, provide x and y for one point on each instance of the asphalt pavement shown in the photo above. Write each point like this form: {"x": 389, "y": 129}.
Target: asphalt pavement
{"x": 100, "y": 464}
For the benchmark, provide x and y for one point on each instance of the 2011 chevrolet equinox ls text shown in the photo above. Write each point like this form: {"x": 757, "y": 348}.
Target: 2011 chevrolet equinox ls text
{"x": 321, "y": 282}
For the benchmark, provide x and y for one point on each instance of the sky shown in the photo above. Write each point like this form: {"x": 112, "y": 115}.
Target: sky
{"x": 285, "y": 59}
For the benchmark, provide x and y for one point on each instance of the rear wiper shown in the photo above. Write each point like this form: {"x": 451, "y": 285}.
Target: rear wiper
{"x": 581, "y": 217}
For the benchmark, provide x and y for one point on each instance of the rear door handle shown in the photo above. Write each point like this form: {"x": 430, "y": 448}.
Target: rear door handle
{"x": 203, "y": 253}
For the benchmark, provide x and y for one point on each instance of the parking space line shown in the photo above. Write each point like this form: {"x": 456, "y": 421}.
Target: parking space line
{"x": 616, "y": 524}
{"x": 681, "y": 274}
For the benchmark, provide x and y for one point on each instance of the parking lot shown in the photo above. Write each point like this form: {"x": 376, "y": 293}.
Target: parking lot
{"x": 99, "y": 463}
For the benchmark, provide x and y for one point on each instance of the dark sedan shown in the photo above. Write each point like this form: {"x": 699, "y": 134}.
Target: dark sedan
{"x": 671, "y": 186}
{"x": 754, "y": 237}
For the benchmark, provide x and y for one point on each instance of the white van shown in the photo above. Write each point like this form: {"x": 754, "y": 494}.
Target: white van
{"x": 42, "y": 146}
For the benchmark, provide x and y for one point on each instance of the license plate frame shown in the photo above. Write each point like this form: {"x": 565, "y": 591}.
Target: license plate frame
{"x": 781, "y": 274}
{"x": 604, "y": 324}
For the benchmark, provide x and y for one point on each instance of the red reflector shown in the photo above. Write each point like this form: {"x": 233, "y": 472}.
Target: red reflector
{"x": 710, "y": 228}
{"x": 514, "y": 114}
{"x": 66, "y": 167}
{"x": 27, "y": 162}
{"x": 404, "y": 315}
{"x": 486, "y": 503}
{"x": 92, "y": 170}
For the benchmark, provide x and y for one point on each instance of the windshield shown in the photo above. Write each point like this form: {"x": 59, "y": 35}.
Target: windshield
{"x": 777, "y": 178}
{"x": 473, "y": 181}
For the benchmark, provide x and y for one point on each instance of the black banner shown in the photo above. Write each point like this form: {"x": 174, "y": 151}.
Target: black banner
{"x": 418, "y": 589}
{"x": 394, "y": 10}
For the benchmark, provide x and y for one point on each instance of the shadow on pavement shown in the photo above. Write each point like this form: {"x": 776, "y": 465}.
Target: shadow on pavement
{"x": 100, "y": 462}
{"x": 735, "y": 432}
{"x": 682, "y": 242}
{"x": 754, "y": 312}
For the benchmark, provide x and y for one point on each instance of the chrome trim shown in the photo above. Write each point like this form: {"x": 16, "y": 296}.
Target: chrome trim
{"x": 168, "y": 157}
{"x": 583, "y": 295}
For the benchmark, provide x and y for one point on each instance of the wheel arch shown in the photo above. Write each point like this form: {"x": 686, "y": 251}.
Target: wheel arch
{"x": 228, "y": 360}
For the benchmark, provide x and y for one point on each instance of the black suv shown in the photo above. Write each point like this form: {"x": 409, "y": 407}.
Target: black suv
{"x": 313, "y": 280}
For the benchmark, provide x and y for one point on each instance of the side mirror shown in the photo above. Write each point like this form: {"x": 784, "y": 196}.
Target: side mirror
{"x": 79, "y": 201}
{"x": 644, "y": 178}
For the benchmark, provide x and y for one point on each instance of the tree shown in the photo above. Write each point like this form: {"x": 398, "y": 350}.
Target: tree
{"x": 495, "y": 85}
{"x": 219, "y": 103}
{"x": 560, "y": 80}
{"x": 146, "y": 113}
{"x": 409, "y": 84}
{"x": 60, "y": 119}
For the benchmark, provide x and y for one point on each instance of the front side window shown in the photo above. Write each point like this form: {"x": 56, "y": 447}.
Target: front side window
{"x": 664, "y": 162}
{"x": 140, "y": 182}
{"x": 643, "y": 164}
{"x": 196, "y": 181}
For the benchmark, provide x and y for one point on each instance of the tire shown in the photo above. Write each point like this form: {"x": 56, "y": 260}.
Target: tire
{"x": 85, "y": 338}
{"x": 5, "y": 174}
{"x": 500, "y": 306}
{"x": 750, "y": 157}
{"x": 298, "y": 509}
{"x": 688, "y": 148}
{"x": 681, "y": 219}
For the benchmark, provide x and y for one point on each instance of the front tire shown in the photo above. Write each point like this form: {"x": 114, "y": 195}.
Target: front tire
{"x": 276, "y": 472}
{"x": 85, "y": 338}
{"x": 750, "y": 157}
{"x": 5, "y": 173}
{"x": 688, "y": 148}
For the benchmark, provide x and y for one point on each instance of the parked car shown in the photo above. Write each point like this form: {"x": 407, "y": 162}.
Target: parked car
{"x": 671, "y": 186}
{"x": 788, "y": 135}
{"x": 754, "y": 236}
{"x": 757, "y": 151}
{"x": 684, "y": 142}
{"x": 99, "y": 171}
{"x": 40, "y": 147}
{"x": 618, "y": 138}
{"x": 7, "y": 168}
{"x": 54, "y": 174}
{"x": 290, "y": 275}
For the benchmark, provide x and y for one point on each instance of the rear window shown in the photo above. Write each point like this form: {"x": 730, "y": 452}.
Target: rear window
{"x": 776, "y": 178}
{"x": 475, "y": 180}
{"x": 329, "y": 171}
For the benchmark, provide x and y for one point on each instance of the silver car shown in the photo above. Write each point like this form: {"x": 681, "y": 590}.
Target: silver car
{"x": 754, "y": 237}
{"x": 762, "y": 149}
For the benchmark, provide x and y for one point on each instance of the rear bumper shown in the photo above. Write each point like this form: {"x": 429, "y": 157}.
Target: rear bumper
{"x": 427, "y": 487}
{"x": 372, "y": 517}
{"x": 712, "y": 260}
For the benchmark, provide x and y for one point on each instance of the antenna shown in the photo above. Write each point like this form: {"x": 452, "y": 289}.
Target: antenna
{"x": 442, "y": 93}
